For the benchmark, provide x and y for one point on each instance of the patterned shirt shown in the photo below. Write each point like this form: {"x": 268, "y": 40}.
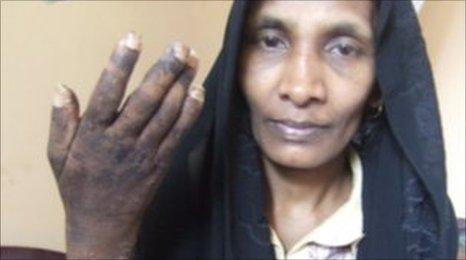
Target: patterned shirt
{"x": 338, "y": 236}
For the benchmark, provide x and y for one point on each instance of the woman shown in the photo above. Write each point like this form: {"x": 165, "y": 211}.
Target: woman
{"x": 317, "y": 115}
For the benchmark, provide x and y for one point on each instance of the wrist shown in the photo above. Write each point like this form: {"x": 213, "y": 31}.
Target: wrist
{"x": 88, "y": 238}
{"x": 92, "y": 249}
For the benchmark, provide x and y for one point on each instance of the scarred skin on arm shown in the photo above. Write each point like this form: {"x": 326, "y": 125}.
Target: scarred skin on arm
{"x": 108, "y": 163}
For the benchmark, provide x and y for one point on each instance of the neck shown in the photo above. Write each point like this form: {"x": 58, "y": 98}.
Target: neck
{"x": 306, "y": 190}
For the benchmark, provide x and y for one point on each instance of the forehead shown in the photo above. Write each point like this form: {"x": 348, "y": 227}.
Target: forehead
{"x": 300, "y": 14}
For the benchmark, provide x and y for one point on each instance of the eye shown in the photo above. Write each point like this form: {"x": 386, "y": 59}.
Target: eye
{"x": 344, "y": 49}
{"x": 271, "y": 41}
{"x": 268, "y": 41}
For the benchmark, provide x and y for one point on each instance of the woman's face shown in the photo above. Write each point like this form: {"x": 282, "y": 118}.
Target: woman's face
{"x": 307, "y": 69}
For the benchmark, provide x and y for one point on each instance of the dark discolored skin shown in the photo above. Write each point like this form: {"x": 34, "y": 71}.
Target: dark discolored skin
{"x": 109, "y": 162}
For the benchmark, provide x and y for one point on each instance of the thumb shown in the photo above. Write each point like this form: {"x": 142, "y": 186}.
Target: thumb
{"x": 65, "y": 121}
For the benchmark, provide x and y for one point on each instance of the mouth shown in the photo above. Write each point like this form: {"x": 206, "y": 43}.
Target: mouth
{"x": 294, "y": 131}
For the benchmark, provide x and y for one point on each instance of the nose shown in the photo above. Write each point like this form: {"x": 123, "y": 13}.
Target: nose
{"x": 303, "y": 80}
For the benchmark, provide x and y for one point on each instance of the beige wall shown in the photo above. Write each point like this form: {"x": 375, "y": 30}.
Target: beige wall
{"x": 443, "y": 24}
{"x": 43, "y": 43}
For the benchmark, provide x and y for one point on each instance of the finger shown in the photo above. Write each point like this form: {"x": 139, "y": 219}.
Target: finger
{"x": 190, "y": 111}
{"x": 169, "y": 111}
{"x": 107, "y": 95}
{"x": 149, "y": 96}
{"x": 65, "y": 121}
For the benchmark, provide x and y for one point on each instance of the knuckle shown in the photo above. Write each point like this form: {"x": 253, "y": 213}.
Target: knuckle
{"x": 170, "y": 66}
{"x": 59, "y": 121}
{"x": 160, "y": 123}
{"x": 161, "y": 161}
{"x": 146, "y": 96}
{"x": 169, "y": 109}
{"x": 108, "y": 86}
{"x": 176, "y": 134}
{"x": 55, "y": 158}
{"x": 186, "y": 77}
{"x": 116, "y": 137}
{"x": 124, "y": 59}
{"x": 193, "y": 109}
{"x": 115, "y": 71}
{"x": 91, "y": 124}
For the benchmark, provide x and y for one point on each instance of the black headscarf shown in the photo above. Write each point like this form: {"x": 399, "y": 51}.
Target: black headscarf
{"x": 211, "y": 204}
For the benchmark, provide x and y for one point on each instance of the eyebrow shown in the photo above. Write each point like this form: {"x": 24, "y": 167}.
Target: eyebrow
{"x": 338, "y": 29}
{"x": 268, "y": 22}
{"x": 347, "y": 29}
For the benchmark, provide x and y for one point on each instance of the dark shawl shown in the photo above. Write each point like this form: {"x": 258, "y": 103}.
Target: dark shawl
{"x": 211, "y": 203}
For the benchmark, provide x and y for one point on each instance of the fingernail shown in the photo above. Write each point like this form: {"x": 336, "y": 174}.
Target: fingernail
{"x": 179, "y": 51}
{"x": 62, "y": 96}
{"x": 193, "y": 53}
{"x": 132, "y": 41}
{"x": 197, "y": 92}
{"x": 193, "y": 59}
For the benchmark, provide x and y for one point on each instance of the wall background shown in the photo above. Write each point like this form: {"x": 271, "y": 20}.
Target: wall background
{"x": 443, "y": 24}
{"x": 43, "y": 43}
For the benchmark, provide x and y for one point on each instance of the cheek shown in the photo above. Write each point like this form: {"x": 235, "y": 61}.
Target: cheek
{"x": 348, "y": 98}
{"x": 258, "y": 82}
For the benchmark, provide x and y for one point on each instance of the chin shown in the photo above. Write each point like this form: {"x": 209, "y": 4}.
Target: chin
{"x": 299, "y": 157}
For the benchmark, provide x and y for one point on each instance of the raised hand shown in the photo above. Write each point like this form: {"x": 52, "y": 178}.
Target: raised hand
{"x": 109, "y": 162}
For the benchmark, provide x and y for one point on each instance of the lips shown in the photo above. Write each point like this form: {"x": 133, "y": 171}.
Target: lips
{"x": 294, "y": 131}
